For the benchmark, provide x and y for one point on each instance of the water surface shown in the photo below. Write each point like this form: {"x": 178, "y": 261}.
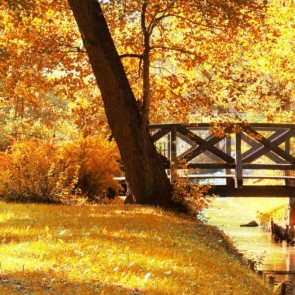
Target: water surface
{"x": 255, "y": 243}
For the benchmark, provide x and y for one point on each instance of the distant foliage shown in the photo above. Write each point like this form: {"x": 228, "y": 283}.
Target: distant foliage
{"x": 58, "y": 172}
{"x": 278, "y": 214}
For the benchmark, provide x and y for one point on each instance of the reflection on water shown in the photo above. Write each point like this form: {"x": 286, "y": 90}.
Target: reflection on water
{"x": 253, "y": 242}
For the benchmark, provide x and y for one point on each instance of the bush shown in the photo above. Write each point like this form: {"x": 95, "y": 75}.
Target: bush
{"x": 189, "y": 196}
{"x": 97, "y": 159}
{"x": 63, "y": 172}
{"x": 27, "y": 171}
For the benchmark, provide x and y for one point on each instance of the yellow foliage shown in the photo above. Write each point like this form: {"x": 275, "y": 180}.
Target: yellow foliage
{"x": 27, "y": 171}
{"x": 45, "y": 171}
{"x": 278, "y": 214}
{"x": 190, "y": 196}
{"x": 95, "y": 160}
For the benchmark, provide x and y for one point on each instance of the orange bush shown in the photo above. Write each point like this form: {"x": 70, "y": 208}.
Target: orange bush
{"x": 43, "y": 171}
{"x": 96, "y": 158}
{"x": 189, "y": 196}
{"x": 25, "y": 175}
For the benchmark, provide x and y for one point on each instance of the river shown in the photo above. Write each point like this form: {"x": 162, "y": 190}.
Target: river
{"x": 276, "y": 260}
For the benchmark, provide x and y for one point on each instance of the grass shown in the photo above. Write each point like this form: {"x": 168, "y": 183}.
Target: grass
{"x": 115, "y": 249}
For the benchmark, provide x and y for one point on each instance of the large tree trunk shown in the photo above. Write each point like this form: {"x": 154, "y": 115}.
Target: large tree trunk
{"x": 145, "y": 175}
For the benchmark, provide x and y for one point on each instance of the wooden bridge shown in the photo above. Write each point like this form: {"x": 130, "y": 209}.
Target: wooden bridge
{"x": 241, "y": 159}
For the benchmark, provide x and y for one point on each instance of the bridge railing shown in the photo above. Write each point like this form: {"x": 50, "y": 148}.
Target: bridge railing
{"x": 235, "y": 148}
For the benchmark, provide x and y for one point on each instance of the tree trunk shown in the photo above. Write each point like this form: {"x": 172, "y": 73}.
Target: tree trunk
{"x": 145, "y": 175}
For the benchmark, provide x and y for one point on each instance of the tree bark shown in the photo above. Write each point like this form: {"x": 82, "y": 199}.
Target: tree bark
{"x": 145, "y": 176}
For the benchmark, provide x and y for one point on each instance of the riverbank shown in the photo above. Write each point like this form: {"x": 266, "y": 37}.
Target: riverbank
{"x": 116, "y": 249}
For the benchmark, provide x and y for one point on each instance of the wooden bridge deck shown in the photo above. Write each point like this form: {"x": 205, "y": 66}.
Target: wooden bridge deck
{"x": 239, "y": 152}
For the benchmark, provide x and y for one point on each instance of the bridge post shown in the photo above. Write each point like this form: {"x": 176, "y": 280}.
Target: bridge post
{"x": 173, "y": 154}
{"x": 290, "y": 182}
{"x": 291, "y": 215}
{"x": 228, "y": 142}
{"x": 239, "y": 168}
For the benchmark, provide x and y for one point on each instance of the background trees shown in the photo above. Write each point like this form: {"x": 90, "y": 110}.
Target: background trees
{"x": 41, "y": 65}
{"x": 185, "y": 62}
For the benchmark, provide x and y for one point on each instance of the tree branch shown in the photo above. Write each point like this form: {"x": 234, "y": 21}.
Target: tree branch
{"x": 177, "y": 49}
{"x": 189, "y": 54}
{"x": 140, "y": 56}
{"x": 146, "y": 93}
{"x": 46, "y": 51}
{"x": 155, "y": 20}
{"x": 143, "y": 20}
{"x": 71, "y": 49}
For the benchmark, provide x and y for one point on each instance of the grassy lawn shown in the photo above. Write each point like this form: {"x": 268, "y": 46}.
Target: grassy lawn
{"x": 115, "y": 249}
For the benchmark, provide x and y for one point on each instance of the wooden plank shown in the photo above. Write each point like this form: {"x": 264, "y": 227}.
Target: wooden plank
{"x": 263, "y": 126}
{"x": 223, "y": 176}
{"x": 228, "y": 142}
{"x": 291, "y": 213}
{"x": 256, "y": 145}
{"x": 194, "y": 145}
{"x": 186, "y": 139}
{"x": 270, "y": 146}
{"x": 268, "y": 177}
{"x": 272, "y": 126}
{"x": 159, "y": 134}
{"x": 160, "y": 126}
{"x": 239, "y": 168}
{"x": 173, "y": 151}
{"x": 269, "y": 166}
{"x": 209, "y": 176}
{"x": 188, "y": 153}
{"x": 288, "y": 172}
{"x": 204, "y": 145}
{"x": 211, "y": 165}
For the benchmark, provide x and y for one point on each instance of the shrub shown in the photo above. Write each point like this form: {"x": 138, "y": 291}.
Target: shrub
{"x": 47, "y": 172}
{"x": 30, "y": 172}
{"x": 97, "y": 159}
{"x": 189, "y": 196}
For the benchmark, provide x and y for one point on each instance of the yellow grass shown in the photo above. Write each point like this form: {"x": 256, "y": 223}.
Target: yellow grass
{"x": 114, "y": 249}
